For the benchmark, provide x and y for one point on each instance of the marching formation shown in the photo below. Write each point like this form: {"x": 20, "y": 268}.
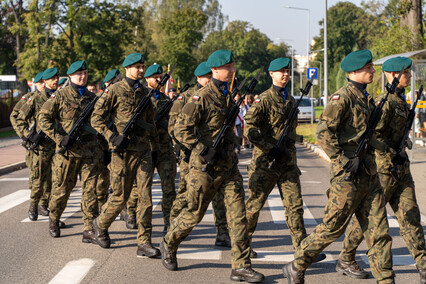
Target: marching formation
{"x": 114, "y": 140}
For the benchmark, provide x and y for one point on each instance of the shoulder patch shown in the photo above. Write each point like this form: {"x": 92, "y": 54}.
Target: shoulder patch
{"x": 29, "y": 99}
{"x": 180, "y": 98}
{"x": 196, "y": 98}
{"x": 257, "y": 100}
{"x": 52, "y": 95}
{"x": 335, "y": 97}
{"x": 23, "y": 98}
{"x": 106, "y": 90}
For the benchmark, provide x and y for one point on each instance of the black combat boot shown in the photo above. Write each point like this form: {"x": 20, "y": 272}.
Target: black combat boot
{"x": 253, "y": 254}
{"x": 101, "y": 236}
{"x": 422, "y": 276}
{"x": 168, "y": 258}
{"x": 33, "y": 212}
{"x": 131, "y": 222}
{"x": 54, "y": 230}
{"x": 351, "y": 269}
{"x": 43, "y": 211}
{"x": 123, "y": 214}
{"x": 88, "y": 237}
{"x": 293, "y": 275}
{"x": 223, "y": 241}
{"x": 246, "y": 274}
{"x": 320, "y": 257}
{"x": 62, "y": 224}
{"x": 147, "y": 250}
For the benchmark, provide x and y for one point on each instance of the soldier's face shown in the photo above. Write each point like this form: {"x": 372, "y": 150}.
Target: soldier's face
{"x": 39, "y": 85}
{"x": 404, "y": 81}
{"x": 204, "y": 80}
{"x": 224, "y": 73}
{"x": 281, "y": 77}
{"x": 153, "y": 80}
{"x": 135, "y": 71}
{"x": 91, "y": 88}
{"x": 364, "y": 75}
{"x": 52, "y": 83}
{"x": 79, "y": 77}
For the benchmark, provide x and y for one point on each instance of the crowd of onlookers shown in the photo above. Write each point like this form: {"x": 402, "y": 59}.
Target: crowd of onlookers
{"x": 239, "y": 123}
{"x": 420, "y": 119}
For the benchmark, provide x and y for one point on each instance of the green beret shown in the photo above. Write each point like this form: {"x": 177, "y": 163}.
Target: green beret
{"x": 279, "y": 63}
{"x": 356, "y": 60}
{"x": 202, "y": 69}
{"x": 49, "y": 73}
{"x": 220, "y": 58}
{"x": 77, "y": 66}
{"x": 133, "y": 59}
{"x": 111, "y": 74}
{"x": 37, "y": 77}
{"x": 62, "y": 81}
{"x": 152, "y": 70}
{"x": 395, "y": 64}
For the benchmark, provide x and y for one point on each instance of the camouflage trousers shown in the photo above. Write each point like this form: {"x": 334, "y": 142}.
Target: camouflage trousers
{"x": 261, "y": 182}
{"x": 102, "y": 186}
{"x": 364, "y": 197}
{"x": 202, "y": 187}
{"x": 41, "y": 176}
{"x": 65, "y": 179}
{"x": 218, "y": 204}
{"x": 402, "y": 198}
{"x": 125, "y": 168}
{"x": 29, "y": 163}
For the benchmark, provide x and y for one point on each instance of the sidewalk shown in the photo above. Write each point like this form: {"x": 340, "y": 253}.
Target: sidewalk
{"x": 12, "y": 155}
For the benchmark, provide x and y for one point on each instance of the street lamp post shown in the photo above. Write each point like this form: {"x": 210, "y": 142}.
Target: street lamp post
{"x": 325, "y": 55}
{"x": 308, "y": 31}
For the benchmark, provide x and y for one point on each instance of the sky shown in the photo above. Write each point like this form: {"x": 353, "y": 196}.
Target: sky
{"x": 279, "y": 23}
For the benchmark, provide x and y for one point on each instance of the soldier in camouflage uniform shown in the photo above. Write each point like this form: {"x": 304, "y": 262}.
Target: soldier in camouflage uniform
{"x": 131, "y": 158}
{"x": 39, "y": 83}
{"x": 341, "y": 125}
{"x": 102, "y": 183}
{"x": 203, "y": 74}
{"x": 43, "y": 155}
{"x": 398, "y": 190}
{"x": 210, "y": 170}
{"x": 56, "y": 118}
{"x": 264, "y": 124}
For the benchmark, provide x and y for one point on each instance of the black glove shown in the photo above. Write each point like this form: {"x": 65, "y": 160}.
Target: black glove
{"x": 119, "y": 141}
{"x": 353, "y": 165}
{"x": 66, "y": 142}
{"x": 154, "y": 156}
{"x": 278, "y": 154}
{"x": 400, "y": 158}
{"x": 34, "y": 138}
{"x": 187, "y": 153}
{"x": 209, "y": 154}
{"x": 107, "y": 158}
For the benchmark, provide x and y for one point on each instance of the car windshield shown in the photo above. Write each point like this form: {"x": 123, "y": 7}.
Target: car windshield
{"x": 305, "y": 102}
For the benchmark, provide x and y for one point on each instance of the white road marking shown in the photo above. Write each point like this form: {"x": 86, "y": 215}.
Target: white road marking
{"x": 423, "y": 218}
{"x": 303, "y": 171}
{"x": 393, "y": 222}
{"x": 13, "y": 179}
{"x": 11, "y": 200}
{"x": 195, "y": 253}
{"x": 398, "y": 260}
{"x": 208, "y": 217}
{"x": 73, "y": 272}
{"x": 310, "y": 181}
{"x": 281, "y": 256}
{"x": 73, "y": 206}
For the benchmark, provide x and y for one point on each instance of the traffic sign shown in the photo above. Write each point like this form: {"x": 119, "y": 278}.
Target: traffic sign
{"x": 311, "y": 72}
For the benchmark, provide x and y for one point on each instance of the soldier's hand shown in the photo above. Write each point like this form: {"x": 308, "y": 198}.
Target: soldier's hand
{"x": 119, "y": 141}
{"x": 66, "y": 142}
{"x": 187, "y": 154}
{"x": 353, "y": 165}
{"x": 209, "y": 154}
{"x": 400, "y": 158}
{"x": 154, "y": 156}
{"x": 278, "y": 154}
{"x": 34, "y": 138}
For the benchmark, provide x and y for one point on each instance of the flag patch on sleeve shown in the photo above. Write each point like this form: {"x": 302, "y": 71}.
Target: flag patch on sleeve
{"x": 196, "y": 98}
{"x": 257, "y": 100}
{"x": 52, "y": 96}
{"x": 29, "y": 99}
{"x": 23, "y": 98}
{"x": 335, "y": 97}
{"x": 180, "y": 98}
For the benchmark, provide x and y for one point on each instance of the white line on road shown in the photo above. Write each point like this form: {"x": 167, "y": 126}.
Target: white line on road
{"x": 194, "y": 253}
{"x": 13, "y": 179}
{"x": 310, "y": 181}
{"x": 73, "y": 272}
{"x": 11, "y": 200}
{"x": 73, "y": 206}
{"x": 397, "y": 260}
{"x": 281, "y": 256}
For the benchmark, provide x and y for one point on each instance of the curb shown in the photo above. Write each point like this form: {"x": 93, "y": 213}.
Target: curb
{"x": 12, "y": 167}
{"x": 317, "y": 150}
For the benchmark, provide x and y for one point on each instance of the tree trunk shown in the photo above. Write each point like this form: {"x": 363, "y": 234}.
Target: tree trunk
{"x": 412, "y": 17}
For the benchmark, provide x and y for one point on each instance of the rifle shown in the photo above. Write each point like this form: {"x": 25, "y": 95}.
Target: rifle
{"x": 167, "y": 106}
{"x": 361, "y": 149}
{"x": 291, "y": 117}
{"x": 236, "y": 90}
{"x": 232, "y": 114}
{"x": 143, "y": 104}
{"x": 26, "y": 142}
{"x": 408, "y": 124}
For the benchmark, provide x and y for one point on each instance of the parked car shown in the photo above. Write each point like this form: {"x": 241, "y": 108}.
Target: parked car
{"x": 306, "y": 110}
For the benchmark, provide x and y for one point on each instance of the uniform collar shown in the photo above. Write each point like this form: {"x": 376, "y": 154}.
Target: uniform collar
{"x": 222, "y": 86}
{"x": 361, "y": 87}
{"x": 79, "y": 89}
{"x": 133, "y": 83}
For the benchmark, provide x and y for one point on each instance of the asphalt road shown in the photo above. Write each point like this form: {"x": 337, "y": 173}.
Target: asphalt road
{"x": 29, "y": 255}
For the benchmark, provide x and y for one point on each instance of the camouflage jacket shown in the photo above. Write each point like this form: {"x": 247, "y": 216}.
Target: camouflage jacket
{"x": 199, "y": 123}
{"x": 342, "y": 124}
{"x": 177, "y": 107}
{"x": 390, "y": 130}
{"x": 162, "y": 125}
{"x": 29, "y": 113}
{"x": 116, "y": 107}
{"x": 59, "y": 114}
{"x": 265, "y": 122}
{"x": 15, "y": 112}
